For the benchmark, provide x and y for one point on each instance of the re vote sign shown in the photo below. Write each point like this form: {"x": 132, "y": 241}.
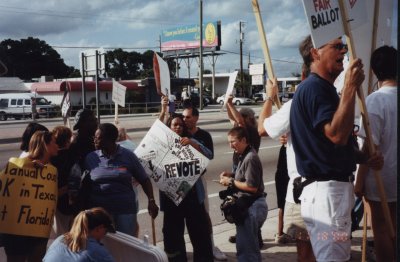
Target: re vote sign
{"x": 173, "y": 167}
{"x": 28, "y": 198}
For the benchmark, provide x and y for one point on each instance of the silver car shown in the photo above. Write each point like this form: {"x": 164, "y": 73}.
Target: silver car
{"x": 236, "y": 100}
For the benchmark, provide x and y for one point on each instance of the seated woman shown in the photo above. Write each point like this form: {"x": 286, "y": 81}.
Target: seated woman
{"x": 82, "y": 242}
{"x": 247, "y": 182}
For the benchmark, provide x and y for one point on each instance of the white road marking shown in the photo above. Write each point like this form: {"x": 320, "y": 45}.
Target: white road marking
{"x": 144, "y": 211}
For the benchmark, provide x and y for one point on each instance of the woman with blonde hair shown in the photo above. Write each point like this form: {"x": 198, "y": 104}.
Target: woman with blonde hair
{"x": 25, "y": 241}
{"x": 82, "y": 242}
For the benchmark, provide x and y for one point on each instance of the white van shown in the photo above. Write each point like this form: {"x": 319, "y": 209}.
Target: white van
{"x": 19, "y": 105}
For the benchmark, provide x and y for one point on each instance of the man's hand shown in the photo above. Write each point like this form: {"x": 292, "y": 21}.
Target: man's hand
{"x": 354, "y": 74}
{"x": 283, "y": 139}
{"x": 230, "y": 100}
{"x": 152, "y": 208}
{"x": 272, "y": 88}
{"x": 376, "y": 161}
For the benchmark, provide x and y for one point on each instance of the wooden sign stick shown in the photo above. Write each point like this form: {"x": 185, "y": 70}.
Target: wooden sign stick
{"x": 264, "y": 44}
{"x": 365, "y": 119}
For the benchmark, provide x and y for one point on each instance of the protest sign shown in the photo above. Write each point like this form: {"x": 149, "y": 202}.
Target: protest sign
{"x": 118, "y": 93}
{"x": 161, "y": 75}
{"x": 173, "y": 167}
{"x": 324, "y": 19}
{"x": 231, "y": 84}
{"x": 28, "y": 198}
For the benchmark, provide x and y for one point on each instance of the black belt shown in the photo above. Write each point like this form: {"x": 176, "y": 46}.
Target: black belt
{"x": 345, "y": 178}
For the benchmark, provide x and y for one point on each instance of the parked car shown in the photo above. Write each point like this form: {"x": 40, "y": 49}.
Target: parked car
{"x": 236, "y": 100}
{"x": 259, "y": 97}
{"x": 195, "y": 99}
{"x": 19, "y": 105}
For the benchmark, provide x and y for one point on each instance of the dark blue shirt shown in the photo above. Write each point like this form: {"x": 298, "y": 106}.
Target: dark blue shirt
{"x": 112, "y": 180}
{"x": 314, "y": 104}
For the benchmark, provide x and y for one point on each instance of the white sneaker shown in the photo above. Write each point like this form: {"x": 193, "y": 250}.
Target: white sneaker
{"x": 218, "y": 254}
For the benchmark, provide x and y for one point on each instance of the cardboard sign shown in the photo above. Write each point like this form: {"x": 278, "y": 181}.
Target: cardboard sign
{"x": 161, "y": 75}
{"x": 231, "y": 85}
{"x": 173, "y": 167}
{"x": 118, "y": 93}
{"x": 28, "y": 198}
{"x": 324, "y": 19}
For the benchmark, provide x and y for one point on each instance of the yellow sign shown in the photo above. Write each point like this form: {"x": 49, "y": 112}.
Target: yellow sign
{"x": 210, "y": 33}
{"x": 28, "y": 198}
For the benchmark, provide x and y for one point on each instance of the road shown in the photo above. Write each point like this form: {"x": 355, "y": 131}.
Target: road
{"x": 211, "y": 122}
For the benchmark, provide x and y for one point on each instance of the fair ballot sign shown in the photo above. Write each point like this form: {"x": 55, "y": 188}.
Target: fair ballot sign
{"x": 324, "y": 19}
{"x": 28, "y": 198}
{"x": 173, "y": 167}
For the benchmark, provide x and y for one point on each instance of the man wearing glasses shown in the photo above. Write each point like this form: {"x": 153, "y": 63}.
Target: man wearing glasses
{"x": 321, "y": 125}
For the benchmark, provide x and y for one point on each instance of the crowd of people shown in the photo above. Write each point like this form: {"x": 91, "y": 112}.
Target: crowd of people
{"x": 98, "y": 172}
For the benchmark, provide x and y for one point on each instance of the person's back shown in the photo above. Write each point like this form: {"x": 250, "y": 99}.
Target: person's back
{"x": 94, "y": 252}
{"x": 82, "y": 242}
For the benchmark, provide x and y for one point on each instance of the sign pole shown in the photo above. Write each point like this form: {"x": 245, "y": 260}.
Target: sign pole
{"x": 373, "y": 45}
{"x": 264, "y": 44}
{"x": 365, "y": 119}
{"x": 116, "y": 122}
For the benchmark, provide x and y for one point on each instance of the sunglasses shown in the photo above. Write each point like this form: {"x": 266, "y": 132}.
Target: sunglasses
{"x": 339, "y": 46}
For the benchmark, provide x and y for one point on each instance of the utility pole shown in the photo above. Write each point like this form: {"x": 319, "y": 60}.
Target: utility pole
{"x": 201, "y": 56}
{"x": 241, "y": 56}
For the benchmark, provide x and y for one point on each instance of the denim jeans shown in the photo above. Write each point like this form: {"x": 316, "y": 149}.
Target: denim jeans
{"x": 125, "y": 223}
{"x": 247, "y": 248}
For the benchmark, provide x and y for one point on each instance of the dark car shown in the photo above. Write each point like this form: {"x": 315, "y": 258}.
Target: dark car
{"x": 195, "y": 99}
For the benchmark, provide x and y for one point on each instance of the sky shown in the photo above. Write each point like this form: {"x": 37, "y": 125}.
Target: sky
{"x": 73, "y": 25}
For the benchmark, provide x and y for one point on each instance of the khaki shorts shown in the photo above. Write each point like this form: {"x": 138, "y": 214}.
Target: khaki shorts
{"x": 293, "y": 222}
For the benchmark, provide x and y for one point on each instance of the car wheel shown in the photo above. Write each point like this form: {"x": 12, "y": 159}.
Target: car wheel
{"x": 221, "y": 102}
{"x": 3, "y": 116}
{"x": 237, "y": 103}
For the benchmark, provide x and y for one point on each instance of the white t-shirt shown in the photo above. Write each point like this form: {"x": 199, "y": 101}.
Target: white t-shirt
{"x": 277, "y": 125}
{"x": 382, "y": 112}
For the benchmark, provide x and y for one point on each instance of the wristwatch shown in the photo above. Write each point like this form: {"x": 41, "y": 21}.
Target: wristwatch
{"x": 270, "y": 99}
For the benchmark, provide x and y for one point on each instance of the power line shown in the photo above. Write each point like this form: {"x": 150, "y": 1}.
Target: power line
{"x": 278, "y": 60}
{"x": 96, "y": 47}
{"x": 82, "y": 15}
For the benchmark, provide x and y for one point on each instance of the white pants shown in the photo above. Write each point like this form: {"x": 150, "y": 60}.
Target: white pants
{"x": 326, "y": 209}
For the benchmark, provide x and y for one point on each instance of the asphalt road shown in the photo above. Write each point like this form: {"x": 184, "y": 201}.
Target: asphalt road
{"x": 137, "y": 126}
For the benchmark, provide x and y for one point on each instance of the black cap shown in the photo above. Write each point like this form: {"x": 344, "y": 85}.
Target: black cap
{"x": 81, "y": 116}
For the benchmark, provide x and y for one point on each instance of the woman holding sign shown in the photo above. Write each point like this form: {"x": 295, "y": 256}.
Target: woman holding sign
{"x": 28, "y": 202}
{"x": 190, "y": 211}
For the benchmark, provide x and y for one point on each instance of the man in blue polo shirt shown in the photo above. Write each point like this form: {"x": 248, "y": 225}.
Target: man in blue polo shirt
{"x": 321, "y": 125}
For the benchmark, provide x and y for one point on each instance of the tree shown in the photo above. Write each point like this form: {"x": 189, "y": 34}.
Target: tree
{"x": 31, "y": 58}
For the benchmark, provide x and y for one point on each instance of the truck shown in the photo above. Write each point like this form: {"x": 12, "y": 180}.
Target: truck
{"x": 19, "y": 105}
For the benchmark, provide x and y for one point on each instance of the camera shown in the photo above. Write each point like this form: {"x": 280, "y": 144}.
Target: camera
{"x": 227, "y": 192}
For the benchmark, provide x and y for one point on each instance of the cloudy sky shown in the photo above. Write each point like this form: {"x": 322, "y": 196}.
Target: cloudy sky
{"x": 69, "y": 26}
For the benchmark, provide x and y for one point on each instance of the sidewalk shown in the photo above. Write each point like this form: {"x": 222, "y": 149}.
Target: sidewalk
{"x": 270, "y": 251}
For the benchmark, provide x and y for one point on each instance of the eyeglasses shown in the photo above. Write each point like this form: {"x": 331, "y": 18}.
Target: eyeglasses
{"x": 339, "y": 46}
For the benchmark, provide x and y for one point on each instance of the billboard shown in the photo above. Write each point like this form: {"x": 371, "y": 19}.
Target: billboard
{"x": 187, "y": 37}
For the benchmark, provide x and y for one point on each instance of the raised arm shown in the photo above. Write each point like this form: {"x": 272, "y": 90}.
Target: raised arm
{"x": 341, "y": 125}
{"x": 164, "y": 106}
{"x": 266, "y": 111}
{"x": 234, "y": 116}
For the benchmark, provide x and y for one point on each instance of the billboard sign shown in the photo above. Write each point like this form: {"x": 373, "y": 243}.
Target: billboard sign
{"x": 187, "y": 37}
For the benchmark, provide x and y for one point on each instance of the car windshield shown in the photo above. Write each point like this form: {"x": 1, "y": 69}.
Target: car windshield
{"x": 41, "y": 101}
